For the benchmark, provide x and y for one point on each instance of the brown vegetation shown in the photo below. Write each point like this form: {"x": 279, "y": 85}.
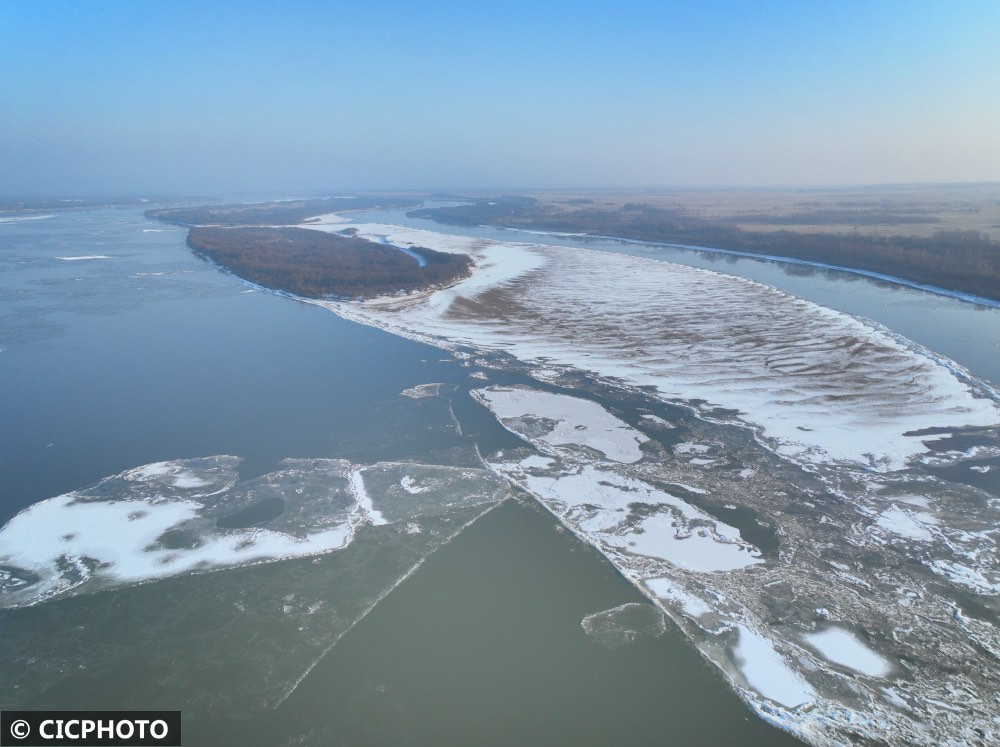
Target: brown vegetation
{"x": 966, "y": 261}
{"x": 315, "y": 264}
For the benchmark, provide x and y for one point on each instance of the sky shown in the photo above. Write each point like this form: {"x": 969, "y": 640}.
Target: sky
{"x": 238, "y": 97}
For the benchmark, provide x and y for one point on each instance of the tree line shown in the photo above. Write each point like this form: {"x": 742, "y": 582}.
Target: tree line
{"x": 315, "y": 264}
{"x": 965, "y": 261}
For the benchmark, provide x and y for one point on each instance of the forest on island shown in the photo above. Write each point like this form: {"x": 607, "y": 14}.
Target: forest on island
{"x": 315, "y": 264}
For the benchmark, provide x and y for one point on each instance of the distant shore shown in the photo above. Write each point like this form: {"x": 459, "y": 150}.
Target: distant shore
{"x": 962, "y": 264}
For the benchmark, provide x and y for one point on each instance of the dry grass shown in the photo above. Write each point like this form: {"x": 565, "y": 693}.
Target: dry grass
{"x": 956, "y": 207}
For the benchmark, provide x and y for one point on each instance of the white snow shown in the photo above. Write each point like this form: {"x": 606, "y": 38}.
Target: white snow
{"x": 148, "y": 471}
{"x": 188, "y": 480}
{"x": 578, "y": 421}
{"x": 408, "y": 484}
{"x": 536, "y": 462}
{"x": 691, "y": 488}
{"x": 767, "y": 672}
{"x": 913, "y": 500}
{"x": 690, "y": 448}
{"x": 906, "y": 523}
{"x": 121, "y": 535}
{"x": 658, "y": 421}
{"x": 969, "y": 577}
{"x": 699, "y": 551}
{"x": 843, "y": 647}
{"x": 666, "y": 589}
{"x": 364, "y": 500}
{"x": 597, "y": 502}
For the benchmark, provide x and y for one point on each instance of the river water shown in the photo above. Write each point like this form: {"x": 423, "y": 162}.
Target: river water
{"x": 422, "y": 598}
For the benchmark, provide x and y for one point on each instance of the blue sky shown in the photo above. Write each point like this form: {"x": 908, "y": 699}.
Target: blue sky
{"x": 102, "y": 97}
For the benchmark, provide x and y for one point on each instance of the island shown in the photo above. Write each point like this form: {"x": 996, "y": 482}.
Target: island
{"x": 317, "y": 264}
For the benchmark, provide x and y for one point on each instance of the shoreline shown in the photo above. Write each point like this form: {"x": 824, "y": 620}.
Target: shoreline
{"x": 893, "y": 279}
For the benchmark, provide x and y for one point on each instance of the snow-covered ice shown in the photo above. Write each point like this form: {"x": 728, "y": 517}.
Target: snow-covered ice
{"x": 768, "y": 673}
{"x": 907, "y": 524}
{"x": 170, "y": 518}
{"x": 843, "y": 647}
{"x": 664, "y": 588}
{"x": 575, "y": 421}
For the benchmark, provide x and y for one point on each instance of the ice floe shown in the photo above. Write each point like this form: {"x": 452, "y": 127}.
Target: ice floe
{"x": 410, "y": 486}
{"x": 622, "y": 625}
{"x": 422, "y": 390}
{"x": 700, "y": 550}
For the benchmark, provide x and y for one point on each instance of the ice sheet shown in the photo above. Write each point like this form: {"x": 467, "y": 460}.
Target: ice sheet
{"x": 66, "y": 542}
{"x": 171, "y": 518}
{"x": 422, "y": 390}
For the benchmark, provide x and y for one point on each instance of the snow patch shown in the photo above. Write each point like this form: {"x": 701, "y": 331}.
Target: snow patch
{"x": 843, "y": 647}
{"x": 767, "y": 672}
{"x": 576, "y": 421}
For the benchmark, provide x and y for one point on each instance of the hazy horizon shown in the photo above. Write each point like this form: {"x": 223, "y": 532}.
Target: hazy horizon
{"x": 180, "y": 99}
{"x": 473, "y": 191}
